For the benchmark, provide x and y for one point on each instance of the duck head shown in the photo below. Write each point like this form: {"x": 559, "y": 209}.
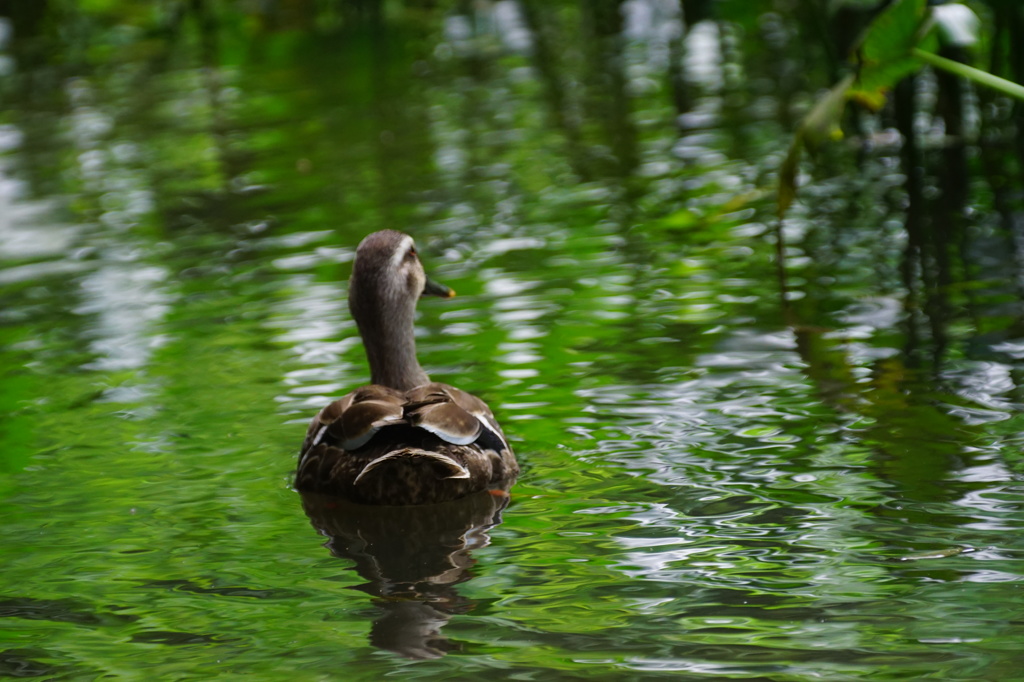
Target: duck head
{"x": 387, "y": 281}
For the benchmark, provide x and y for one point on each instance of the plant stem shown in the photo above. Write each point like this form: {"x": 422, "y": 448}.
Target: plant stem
{"x": 969, "y": 72}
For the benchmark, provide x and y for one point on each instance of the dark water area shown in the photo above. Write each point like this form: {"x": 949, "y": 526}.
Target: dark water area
{"x": 735, "y": 465}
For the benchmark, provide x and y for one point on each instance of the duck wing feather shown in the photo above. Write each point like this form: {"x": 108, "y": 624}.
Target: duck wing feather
{"x": 444, "y": 466}
{"x": 455, "y": 416}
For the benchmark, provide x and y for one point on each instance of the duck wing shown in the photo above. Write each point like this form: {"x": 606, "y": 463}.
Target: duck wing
{"x": 350, "y": 423}
{"x": 455, "y": 416}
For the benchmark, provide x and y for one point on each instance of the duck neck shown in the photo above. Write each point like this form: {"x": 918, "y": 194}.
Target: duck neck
{"x": 390, "y": 344}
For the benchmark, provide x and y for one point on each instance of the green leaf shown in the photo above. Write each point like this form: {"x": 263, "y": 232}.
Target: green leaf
{"x": 892, "y": 34}
{"x": 884, "y": 55}
{"x": 822, "y": 121}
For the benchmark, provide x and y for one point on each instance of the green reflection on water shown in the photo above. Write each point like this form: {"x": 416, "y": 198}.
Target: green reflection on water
{"x": 714, "y": 483}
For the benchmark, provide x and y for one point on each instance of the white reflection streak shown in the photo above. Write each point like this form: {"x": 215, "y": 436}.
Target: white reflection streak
{"x": 511, "y": 27}
{"x": 128, "y": 299}
{"x": 26, "y": 230}
{"x": 991, "y": 514}
{"x": 314, "y": 323}
{"x": 126, "y": 296}
{"x": 703, "y": 63}
{"x": 699, "y": 411}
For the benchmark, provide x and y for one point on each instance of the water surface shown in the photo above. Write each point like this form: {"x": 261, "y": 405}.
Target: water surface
{"x": 727, "y": 473}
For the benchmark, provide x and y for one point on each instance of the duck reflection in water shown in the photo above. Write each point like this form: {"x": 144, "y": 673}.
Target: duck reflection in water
{"x": 416, "y": 471}
{"x": 412, "y": 558}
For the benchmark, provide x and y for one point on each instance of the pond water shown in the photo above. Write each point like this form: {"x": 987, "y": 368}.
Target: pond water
{"x": 731, "y": 469}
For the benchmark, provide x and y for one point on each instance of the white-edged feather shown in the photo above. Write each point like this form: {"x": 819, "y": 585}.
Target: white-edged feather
{"x": 458, "y": 471}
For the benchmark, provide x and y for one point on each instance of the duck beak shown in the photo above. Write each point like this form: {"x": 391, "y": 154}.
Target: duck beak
{"x": 432, "y": 288}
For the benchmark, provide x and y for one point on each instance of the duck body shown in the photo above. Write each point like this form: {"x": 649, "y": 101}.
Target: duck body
{"x": 380, "y": 445}
{"x": 402, "y": 440}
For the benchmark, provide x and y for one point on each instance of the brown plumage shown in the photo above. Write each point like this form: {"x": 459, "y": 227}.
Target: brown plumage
{"x": 403, "y": 439}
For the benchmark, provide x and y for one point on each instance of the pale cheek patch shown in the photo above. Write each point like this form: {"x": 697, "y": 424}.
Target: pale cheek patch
{"x": 414, "y": 283}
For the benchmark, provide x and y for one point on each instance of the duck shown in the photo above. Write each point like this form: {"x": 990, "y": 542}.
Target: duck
{"x": 403, "y": 439}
